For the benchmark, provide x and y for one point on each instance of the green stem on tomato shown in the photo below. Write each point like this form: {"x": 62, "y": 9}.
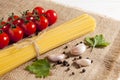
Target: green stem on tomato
{"x": 1, "y": 21}
{"x": 12, "y": 25}
{"x": 24, "y": 16}
{"x": 37, "y": 18}
{"x": 11, "y": 16}
{"x": 1, "y": 31}
{"x": 1, "y": 26}
{"x": 35, "y": 12}
{"x": 26, "y": 12}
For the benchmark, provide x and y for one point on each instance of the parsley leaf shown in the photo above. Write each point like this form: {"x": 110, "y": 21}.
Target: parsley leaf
{"x": 41, "y": 68}
{"x": 98, "y": 41}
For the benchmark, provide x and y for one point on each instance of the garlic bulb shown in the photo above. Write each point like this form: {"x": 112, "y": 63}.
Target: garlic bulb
{"x": 56, "y": 57}
{"x": 79, "y": 49}
{"x": 83, "y": 62}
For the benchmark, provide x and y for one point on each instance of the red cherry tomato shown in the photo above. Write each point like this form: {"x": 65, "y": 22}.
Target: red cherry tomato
{"x": 4, "y": 26}
{"x": 4, "y": 39}
{"x": 15, "y": 33}
{"x": 38, "y": 10}
{"x": 28, "y": 28}
{"x": 28, "y": 15}
{"x": 18, "y": 22}
{"x": 3, "y": 23}
{"x": 51, "y": 16}
{"x": 30, "y": 18}
{"x": 42, "y": 23}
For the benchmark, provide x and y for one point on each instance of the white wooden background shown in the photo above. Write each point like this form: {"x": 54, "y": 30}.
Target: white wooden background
{"x": 110, "y": 8}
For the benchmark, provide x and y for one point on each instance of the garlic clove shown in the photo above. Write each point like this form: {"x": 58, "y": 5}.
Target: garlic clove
{"x": 83, "y": 62}
{"x": 52, "y": 57}
{"x": 56, "y": 57}
{"x": 61, "y": 57}
{"x": 79, "y": 49}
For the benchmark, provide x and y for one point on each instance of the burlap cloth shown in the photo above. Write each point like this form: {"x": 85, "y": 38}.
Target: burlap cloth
{"x": 106, "y": 65}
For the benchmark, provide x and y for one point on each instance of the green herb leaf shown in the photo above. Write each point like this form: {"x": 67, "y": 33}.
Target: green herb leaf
{"x": 89, "y": 41}
{"x": 97, "y": 41}
{"x": 41, "y": 68}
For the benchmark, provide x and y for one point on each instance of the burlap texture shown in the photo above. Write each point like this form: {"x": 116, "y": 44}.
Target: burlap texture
{"x": 106, "y": 65}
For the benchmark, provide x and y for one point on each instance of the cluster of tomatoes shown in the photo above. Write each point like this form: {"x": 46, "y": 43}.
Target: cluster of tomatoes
{"x": 17, "y": 28}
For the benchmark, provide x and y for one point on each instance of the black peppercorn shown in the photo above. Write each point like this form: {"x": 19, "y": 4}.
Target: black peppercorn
{"x": 74, "y": 59}
{"x": 91, "y": 61}
{"x": 54, "y": 65}
{"x": 68, "y": 65}
{"x": 87, "y": 58}
{"x": 67, "y": 69}
{"x": 65, "y": 63}
{"x": 77, "y": 44}
{"x": 64, "y": 52}
{"x": 83, "y": 70}
{"x": 59, "y": 62}
{"x": 80, "y": 57}
{"x": 73, "y": 73}
{"x": 65, "y": 47}
{"x": 81, "y": 42}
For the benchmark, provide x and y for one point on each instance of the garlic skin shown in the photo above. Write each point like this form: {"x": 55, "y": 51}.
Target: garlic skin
{"x": 56, "y": 57}
{"x": 79, "y": 49}
{"x": 83, "y": 62}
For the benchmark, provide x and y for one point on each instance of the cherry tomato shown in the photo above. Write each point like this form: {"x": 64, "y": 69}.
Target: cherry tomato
{"x": 42, "y": 23}
{"x": 38, "y": 10}
{"x": 4, "y": 26}
{"x": 3, "y": 23}
{"x": 4, "y": 39}
{"x": 18, "y": 22}
{"x": 28, "y": 15}
{"x": 15, "y": 33}
{"x": 13, "y": 17}
{"x": 30, "y": 18}
{"x": 51, "y": 16}
{"x": 28, "y": 28}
